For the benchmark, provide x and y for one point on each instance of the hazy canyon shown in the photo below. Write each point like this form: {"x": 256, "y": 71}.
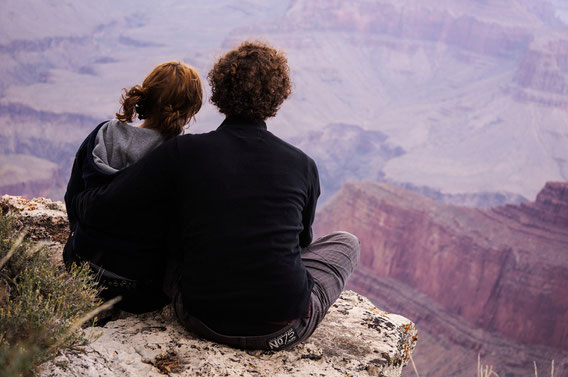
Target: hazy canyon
{"x": 463, "y": 101}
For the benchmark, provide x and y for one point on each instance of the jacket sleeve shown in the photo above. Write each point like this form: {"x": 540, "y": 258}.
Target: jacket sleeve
{"x": 139, "y": 192}
{"x": 75, "y": 184}
{"x": 309, "y": 211}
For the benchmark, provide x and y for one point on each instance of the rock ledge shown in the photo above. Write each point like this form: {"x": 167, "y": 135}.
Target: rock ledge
{"x": 355, "y": 339}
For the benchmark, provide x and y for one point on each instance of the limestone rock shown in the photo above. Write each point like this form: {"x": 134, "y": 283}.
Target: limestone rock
{"x": 355, "y": 338}
{"x": 42, "y": 218}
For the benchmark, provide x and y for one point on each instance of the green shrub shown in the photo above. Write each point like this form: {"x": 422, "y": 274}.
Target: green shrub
{"x": 40, "y": 303}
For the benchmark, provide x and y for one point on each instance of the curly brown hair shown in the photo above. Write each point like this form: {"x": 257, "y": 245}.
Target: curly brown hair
{"x": 167, "y": 99}
{"x": 252, "y": 80}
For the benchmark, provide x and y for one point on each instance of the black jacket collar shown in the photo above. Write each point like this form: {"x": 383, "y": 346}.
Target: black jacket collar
{"x": 237, "y": 121}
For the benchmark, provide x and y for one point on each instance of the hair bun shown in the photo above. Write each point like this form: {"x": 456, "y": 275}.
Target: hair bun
{"x": 142, "y": 109}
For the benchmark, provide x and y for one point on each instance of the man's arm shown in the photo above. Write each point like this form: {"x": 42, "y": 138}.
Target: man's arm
{"x": 75, "y": 185}
{"x": 143, "y": 188}
{"x": 309, "y": 212}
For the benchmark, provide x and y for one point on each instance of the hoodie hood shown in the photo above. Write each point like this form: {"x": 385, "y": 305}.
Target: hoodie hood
{"x": 119, "y": 145}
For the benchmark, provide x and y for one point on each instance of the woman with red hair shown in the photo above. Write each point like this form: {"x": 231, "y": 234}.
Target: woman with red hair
{"x": 131, "y": 265}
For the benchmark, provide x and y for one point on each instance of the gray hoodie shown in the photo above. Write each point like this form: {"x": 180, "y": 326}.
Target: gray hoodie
{"x": 119, "y": 145}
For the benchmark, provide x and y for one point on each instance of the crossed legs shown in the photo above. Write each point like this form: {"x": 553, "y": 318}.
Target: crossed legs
{"x": 330, "y": 260}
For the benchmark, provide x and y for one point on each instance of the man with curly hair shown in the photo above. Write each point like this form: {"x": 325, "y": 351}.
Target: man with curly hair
{"x": 246, "y": 272}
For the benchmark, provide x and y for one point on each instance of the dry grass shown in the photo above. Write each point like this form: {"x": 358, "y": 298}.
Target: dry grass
{"x": 42, "y": 306}
{"x": 487, "y": 370}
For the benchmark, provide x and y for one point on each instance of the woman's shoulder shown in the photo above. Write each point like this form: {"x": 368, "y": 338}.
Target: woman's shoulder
{"x": 91, "y": 136}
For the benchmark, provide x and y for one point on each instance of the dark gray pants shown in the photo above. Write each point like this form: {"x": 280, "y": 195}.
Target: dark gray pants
{"x": 330, "y": 260}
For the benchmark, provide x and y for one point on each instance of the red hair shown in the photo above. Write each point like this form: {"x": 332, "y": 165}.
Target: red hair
{"x": 167, "y": 99}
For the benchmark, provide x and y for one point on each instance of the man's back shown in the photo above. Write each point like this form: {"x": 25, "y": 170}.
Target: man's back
{"x": 249, "y": 202}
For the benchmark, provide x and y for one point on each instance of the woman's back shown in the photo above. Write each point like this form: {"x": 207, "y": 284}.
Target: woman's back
{"x": 131, "y": 265}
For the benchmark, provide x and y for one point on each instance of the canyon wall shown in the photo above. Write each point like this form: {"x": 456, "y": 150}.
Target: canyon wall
{"x": 37, "y": 149}
{"x": 500, "y": 273}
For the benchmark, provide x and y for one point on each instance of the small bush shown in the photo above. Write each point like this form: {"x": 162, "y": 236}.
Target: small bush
{"x": 39, "y": 303}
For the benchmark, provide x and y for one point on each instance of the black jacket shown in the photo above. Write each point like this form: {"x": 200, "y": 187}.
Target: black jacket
{"x": 245, "y": 201}
{"x": 137, "y": 254}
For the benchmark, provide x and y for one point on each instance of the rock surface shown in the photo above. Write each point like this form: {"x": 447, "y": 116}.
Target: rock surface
{"x": 42, "y": 219}
{"x": 355, "y": 339}
{"x": 490, "y": 281}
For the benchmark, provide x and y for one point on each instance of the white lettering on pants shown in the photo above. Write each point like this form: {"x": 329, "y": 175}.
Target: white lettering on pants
{"x": 282, "y": 340}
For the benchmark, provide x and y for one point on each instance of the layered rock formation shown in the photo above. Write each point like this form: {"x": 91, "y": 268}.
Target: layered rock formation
{"x": 458, "y": 85}
{"x": 26, "y": 175}
{"x": 455, "y": 84}
{"x": 346, "y": 152}
{"x": 37, "y": 149}
{"x": 488, "y": 280}
{"x": 549, "y": 209}
{"x": 474, "y": 26}
{"x": 542, "y": 75}
{"x": 355, "y": 339}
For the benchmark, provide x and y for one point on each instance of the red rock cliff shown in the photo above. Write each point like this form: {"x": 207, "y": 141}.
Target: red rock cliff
{"x": 504, "y": 270}
{"x": 542, "y": 75}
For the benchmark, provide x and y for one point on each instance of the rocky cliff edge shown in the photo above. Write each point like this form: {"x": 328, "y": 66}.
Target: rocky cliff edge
{"x": 355, "y": 339}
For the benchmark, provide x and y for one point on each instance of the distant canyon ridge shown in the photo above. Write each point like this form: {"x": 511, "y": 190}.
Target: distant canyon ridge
{"x": 463, "y": 101}
{"x": 488, "y": 281}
